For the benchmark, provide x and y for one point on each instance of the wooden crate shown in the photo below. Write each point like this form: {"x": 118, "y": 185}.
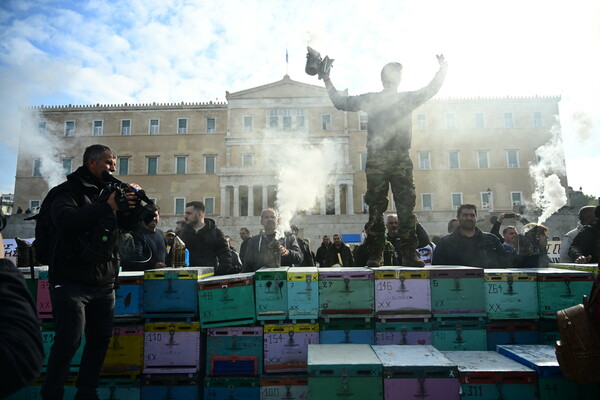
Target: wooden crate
{"x": 234, "y": 351}
{"x": 129, "y": 296}
{"x": 271, "y": 293}
{"x": 559, "y": 289}
{"x": 303, "y": 293}
{"x": 235, "y": 388}
{"x": 289, "y": 387}
{"x": 346, "y": 292}
{"x": 457, "y": 291}
{"x": 405, "y": 332}
{"x": 171, "y": 347}
{"x": 402, "y": 292}
{"x": 348, "y": 331}
{"x": 512, "y": 332}
{"x": 227, "y": 300}
{"x": 286, "y": 346}
{"x": 125, "y": 354}
{"x": 511, "y": 294}
{"x": 459, "y": 334}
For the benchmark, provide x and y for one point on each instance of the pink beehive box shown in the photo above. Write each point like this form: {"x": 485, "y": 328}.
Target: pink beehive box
{"x": 402, "y": 292}
{"x": 171, "y": 347}
{"x": 286, "y": 346}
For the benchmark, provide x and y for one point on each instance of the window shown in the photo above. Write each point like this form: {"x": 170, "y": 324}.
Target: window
{"x": 326, "y": 122}
{"x": 154, "y": 127}
{"x": 211, "y": 125}
{"x": 424, "y": 160}
{"x": 209, "y": 202}
{"x": 421, "y": 121}
{"x": 508, "y": 120}
{"x": 42, "y": 128}
{"x": 69, "y": 128}
{"x": 98, "y": 128}
{"x": 426, "y": 201}
{"x": 456, "y": 200}
{"x": 248, "y": 123}
{"x": 34, "y": 205}
{"x": 537, "y": 119}
{"x": 363, "y": 161}
{"x": 453, "y": 159}
{"x": 300, "y": 119}
{"x": 123, "y": 163}
{"x": 67, "y": 164}
{"x": 363, "y": 120}
{"x": 37, "y": 167}
{"x": 179, "y": 205}
{"x": 450, "y": 121}
{"x": 287, "y": 119}
{"x": 479, "y": 122}
{"x": 516, "y": 198}
{"x": 182, "y": 126}
{"x": 512, "y": 157}
{"x": 483, "y": 159}
{"x": 125, "y": 127}
{"x": 273, "y": 119}
{"x": 152, "y": 165}
{"x": 247, "y": 160}
{"x": 486, "y": 201}
{"x": 210, "y": 164}
{"x": 180, "y": 165}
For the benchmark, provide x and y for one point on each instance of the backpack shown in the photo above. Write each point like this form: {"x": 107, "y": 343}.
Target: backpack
{"x": 578, "y": 350}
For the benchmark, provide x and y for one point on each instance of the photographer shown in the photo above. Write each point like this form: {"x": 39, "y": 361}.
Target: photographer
{"x": 496, "y": 222}
{"x": 86, "y": 214}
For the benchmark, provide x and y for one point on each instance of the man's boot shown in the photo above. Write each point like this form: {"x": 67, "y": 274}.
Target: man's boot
{"x": 375, "y": 256}
{"x": 412, "y": 259}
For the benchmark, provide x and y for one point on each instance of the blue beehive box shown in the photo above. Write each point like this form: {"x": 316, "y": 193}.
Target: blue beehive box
{"x": 559, "y": 289}
{"x": 234, "y": 351}
{"x": 271, "y": 293}
{"x": 511, "y": 294}
{"x": 227, "y": 300}
{"x": 170, "y": 387}
{"x": 404, "y": 332}
{"x": 512, "y": 332}
{"x": 343, "y": 371}
{"x": 552, "y": 385}
{"x": 346, "y": 292}
{"x": 172, "y": 292}
{"x": 129, "y": 296}
{"x": 459, "y": 334}
{"x": 457, "y": 291}
{"x": 549, "y": 333}
{"x": 347, "y": 331}
{"x": 417, "y": 372}
{"x": 118, "y": 388}
{"x": 303, "y": 293}
{"x": 234, "y": 388}
{"x": 488, "y": 375}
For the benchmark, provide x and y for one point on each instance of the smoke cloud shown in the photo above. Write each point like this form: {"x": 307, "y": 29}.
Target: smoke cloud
{"x": 549, "y": 195}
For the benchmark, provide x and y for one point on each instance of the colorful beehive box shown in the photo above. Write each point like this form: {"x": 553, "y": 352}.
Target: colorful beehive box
{"x": 43, "y": 302}
{"x": 559, "y": 289}
{"x": 234, "y": 351}
{"x": 414, "y": 372}
{"x": 118, "y": 388}
{"x": 271, "y": 293}
{"x": 171, "y": 292}
{"x": 552, "y": 385}
{"x": 549, "y": 333}
{"x": 284, "y": 388}
{"x": 129, "y": 296}
{"x": 32, "y": 281}
{"x": 48, "y": 335}
{"x": 227, "y": 300}
{"x": 459, "y": 335}
{"x": 343, "y": 371}
{"x": 125, "y": 352}
{"x": 512, "y": 332}
{"x": 171, "y": 347}
{"x": 303, "y": 293}
{"x": 348, "y": 331}
{"x": 234, "y": 388}
{"x": 511, "y": 294}
{"x": 286, "y": 346}
{"x": 33, "y": 390}
{"x": 170, "y": 387}
{"x": 346, "y": 292}
{"x": 593, "y": 268}
{"x": 457, "y": 291}
{"x": 488, "y": 375}
{"x": 402, "y": 292}
{"x": 403, "y": 332}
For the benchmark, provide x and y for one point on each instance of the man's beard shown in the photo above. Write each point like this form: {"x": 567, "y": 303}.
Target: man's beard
{"x": 467, "y": 225}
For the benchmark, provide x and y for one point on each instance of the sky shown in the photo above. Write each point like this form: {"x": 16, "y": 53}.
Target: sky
{"x": 138, "y": 51}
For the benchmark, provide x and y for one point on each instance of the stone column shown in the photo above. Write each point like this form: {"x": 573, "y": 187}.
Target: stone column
{"x": 265, "y": 197}
{"x": 349, "y": 198}
{"x": 250, "y": 200}
{"x": 336, "y": 199}
{"x": 224, "y": 211}
{"x": 324, "y": 202}
{"x": 236, "y": 201}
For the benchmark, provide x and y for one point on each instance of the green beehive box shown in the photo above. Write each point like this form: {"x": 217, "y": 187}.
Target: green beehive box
{"x": 457, "y": 291}
{"x": 593, "y": 268}
{"x": 303, "y": 293}
{"x": 459, "y": 335}
{"x": 271, "y": 289}
{"x": 227, "y": 300}
{"x": 559, "y": 289}
{"x": 511, "y": 293}
{"x": 346, "y": 292}
{"x": 344, "y": 371}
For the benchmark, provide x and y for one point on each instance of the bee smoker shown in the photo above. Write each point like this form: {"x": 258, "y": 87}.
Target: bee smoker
{"x": 273, "y": 256}
{"x": 315, "y": 64}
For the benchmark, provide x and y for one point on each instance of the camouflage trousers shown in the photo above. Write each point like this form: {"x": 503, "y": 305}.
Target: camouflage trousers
{"x": 393, "y": 169}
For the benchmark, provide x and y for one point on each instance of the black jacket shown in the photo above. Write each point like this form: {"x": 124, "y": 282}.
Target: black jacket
{"x": 321, "y": 252}
{"x": 86, "y": 228}
{"x": 257, "y": 257}
{"x": 587, "y": 243}
{"x": 208, "y": 248}
{"x": 482, "y": 250}
{"x": 331, "y": 257}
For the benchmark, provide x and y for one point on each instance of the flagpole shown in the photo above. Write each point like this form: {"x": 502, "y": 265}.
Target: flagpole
{"x": 286, "y": 60}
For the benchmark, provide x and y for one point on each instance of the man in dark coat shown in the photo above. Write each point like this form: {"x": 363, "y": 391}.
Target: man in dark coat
{"x": 339, "y": 253}
{"x": 322, "y": 250}
{"x": 586, "y": 245}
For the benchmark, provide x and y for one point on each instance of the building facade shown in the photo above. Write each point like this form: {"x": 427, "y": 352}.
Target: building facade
{"x": 475, "y": 150}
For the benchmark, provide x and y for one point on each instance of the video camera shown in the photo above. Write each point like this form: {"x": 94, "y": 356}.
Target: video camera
{"x": 143, "y": 212}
